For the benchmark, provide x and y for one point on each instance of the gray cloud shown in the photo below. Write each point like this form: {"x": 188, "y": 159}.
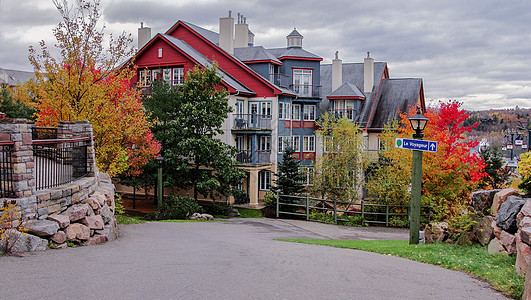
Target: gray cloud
{"x": 473, "y": 51}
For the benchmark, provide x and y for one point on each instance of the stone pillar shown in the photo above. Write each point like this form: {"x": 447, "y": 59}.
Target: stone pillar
{"x": 253, "y": 187}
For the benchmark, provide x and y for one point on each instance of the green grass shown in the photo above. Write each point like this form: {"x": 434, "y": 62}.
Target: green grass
{"x": 249, "y": 213}
{"x": 121, "y": 219}
{"x": 497, "y": 269}
{"x": 188, "y": 221}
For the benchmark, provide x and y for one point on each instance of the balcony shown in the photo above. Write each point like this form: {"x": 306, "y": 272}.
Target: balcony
{"x": 260, "y": 157}
{"x": 348, "y": 113}
{"x": 251, "y": 122}
{"x": 282, "y": 80}
{"x": 306, "y": 90}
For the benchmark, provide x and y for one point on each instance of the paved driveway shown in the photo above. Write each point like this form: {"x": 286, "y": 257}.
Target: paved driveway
{"x": 231, "y": 260}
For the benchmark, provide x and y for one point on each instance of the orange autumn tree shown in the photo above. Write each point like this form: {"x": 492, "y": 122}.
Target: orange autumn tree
{"x": 449, "y": 175}
{"x": 87, "y": 83}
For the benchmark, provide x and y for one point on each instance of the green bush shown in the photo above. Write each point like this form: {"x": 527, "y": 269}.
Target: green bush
{"x": 176, "y": 207}
{"x": 241, "y": 197}
{"x": 217, "y": 209}
{"x": 398, "y": 221}
{"x": 525, "y": 185}
{"x": 460, "y": 228}
{"x": 352, "y": 221}
{"x": 322, "y": 217}
{"x": 270, "y": 200}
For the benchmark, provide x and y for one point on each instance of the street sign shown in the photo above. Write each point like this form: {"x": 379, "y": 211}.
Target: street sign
{"x": 518, "y": 142}
{"x": 509, "y": 147}
{"x": 421, "y": 145}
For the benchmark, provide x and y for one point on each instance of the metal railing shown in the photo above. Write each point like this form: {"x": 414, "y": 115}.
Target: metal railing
{"x": 59, "y": 161}
{"x": 251, "y": 121}
{"x": 44, "y": 133}
{"x": 280, "y": 79}
{"x": 6, "y": 169}
{"x": 372, "y": 213}
{"x": 306, "y": 90}
{"x": 246, "y": 157}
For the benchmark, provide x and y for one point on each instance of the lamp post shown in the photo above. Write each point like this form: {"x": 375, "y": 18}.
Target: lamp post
{"x": 418, "y": 123}
{"x": 159, "y": 160}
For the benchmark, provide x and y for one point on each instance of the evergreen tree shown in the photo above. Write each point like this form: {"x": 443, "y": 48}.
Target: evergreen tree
{"x": 12, "y": 107}
{"x": 289, "y": 180}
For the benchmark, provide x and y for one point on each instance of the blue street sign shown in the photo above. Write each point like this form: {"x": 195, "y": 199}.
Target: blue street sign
{"x": 421, "y": 145}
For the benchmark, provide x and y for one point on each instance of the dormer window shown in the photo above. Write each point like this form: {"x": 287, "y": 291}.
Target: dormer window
{"x": 302, "y": 82}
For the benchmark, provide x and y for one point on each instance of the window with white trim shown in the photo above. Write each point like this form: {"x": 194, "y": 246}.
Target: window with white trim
{"x": 309, "y": 113}
{"x": 265, "y": 143}
{"x": 283, "y": 143}
{"x": 155, "y": 74}
{"x": 266, "y": 109}
{"x": 264, "y": 180}
{"x": 302, "y": 82}
{"x": 295, "y": 143}
{"x": 166, "y": 75}
{"x": 296, "y": 112}
{"x": 144, "y": 77}
{"x": 309, "y": 174}
{"x": 309, "y": 144}
{"x": 178, "y": 76}
{"x": 284, "y": 111}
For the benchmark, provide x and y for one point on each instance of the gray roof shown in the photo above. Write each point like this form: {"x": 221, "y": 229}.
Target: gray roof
{"x": 295, "y": 33}
{"x": 14, "y": 77}
{"x": 212, "y": 36}
{"x": 255, "y": 53}
{"x": 189, "y": 50}
{"x": 292, "y": 52}
{"x": 347, "y": 90}
{"x": 395, "y": 95}
{"x": 352, "y": 73}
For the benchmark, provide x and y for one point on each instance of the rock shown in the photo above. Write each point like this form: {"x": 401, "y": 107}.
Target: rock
{"x": 523, "y": 256}
{"x": 61, "y": 246}
{"x": 436, "y": 232}
{"x": 495, "y": 247}
{"x": 524, "y": 222}
{"x": 25, "y": 242}
{"x": 195, "y": 216}
{"x": 508, "y": 241}
{"x": 99, "y": 197}
{"x": 495, "y": 229}
{"x": 59, "y": 237}
{"x": 481, "y": 201}
{"x": 42, "y": 227}
{"x": 76, "y": 212}
{"x": 93, "y": 222}
{"x": 106, "y": 214}
{"x": 525, "y": 211}
{"x": 506, "y": 217}
{"x": 233, "y": 212}
{"x": 77, "y": 232}
{"x": 483, "y": 230}
{"x": 527, "y": 291}
{"x": 525, "y": 234}
{"x": 499, "y": 198}
{"x": 207, "y": 217}
{"x": 96, "y": 239}
{"x": 62, "y": 220}
{"x": 95, "y": 205}
{"x": 467, "y": 238}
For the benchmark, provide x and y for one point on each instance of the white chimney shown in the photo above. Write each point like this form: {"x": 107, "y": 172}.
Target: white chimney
{"x": 368, "y": 74}
{"x": 241, "y": 33}
{"x": 144, "y": 35}
{"x": 226, "y": 33}
{"x": 337, "y": 72}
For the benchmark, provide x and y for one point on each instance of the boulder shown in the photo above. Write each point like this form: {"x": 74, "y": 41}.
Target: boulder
{"x": 506, "y": 217}
{"x": 233, "y": 212}
{"x": 42, "y": 228}
{"x": 525, "y": 235}
{"x": 77, "y": 232}
{"x": 61, "y": 246}
{"x": 495, "y": 247}
{"x": 495, "y": 229}
{"x": 524, "y": 222}
{"x": 481, "y": 201}
{"x": 523, "y": 256}
{"x": 508, "y": 241}
{"x": 436, "y": 232}
{"x": 525, "y": 211}
{"x": 76, "y": 212}
{"x": 99, "y": 197}
{"x": 106, "y": 214}
{"x": 62, "y": 220}
{"x": 96, "y": 239}
{"x": 59, "y": 237}
{"x": 25, "y": 242}
{"x": 483, "y": 230}
{"x": 93, "y": 222}
{"x": 95, "y": 205}
{"x": 499, "y": 198}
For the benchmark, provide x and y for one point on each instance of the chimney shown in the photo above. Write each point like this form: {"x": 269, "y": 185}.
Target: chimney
{"x": 241, "y": 33}
{"x": 368, "y": 74}
{"x": 144, "y": 35}
{"x": 226, "y": 33}
{"x": 337, "y": 72}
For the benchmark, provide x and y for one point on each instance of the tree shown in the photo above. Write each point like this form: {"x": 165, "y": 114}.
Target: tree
{"x": 14, "y": 108}
{"x": 339, "y": 171}
{"x": 187, "y": 120}
{"x": 87, "y": 83}
{"x": 493, "y": 167}
{"x": 289, "y": 179}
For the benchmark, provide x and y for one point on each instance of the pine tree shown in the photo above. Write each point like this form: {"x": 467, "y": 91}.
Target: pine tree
{"x": 289, "y": 180}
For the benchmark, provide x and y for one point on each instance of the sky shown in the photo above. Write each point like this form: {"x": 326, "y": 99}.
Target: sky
{"x": 476, "y": 52}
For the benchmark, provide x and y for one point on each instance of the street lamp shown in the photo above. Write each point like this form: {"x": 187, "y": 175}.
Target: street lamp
{"x": 418, "y": 123}
{"x": 159, "y": 160}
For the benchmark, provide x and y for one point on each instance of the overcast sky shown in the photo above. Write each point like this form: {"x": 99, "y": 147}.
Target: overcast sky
{"x": 477, "y": 52}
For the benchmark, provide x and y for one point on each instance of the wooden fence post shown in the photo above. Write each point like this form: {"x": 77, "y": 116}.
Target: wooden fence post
{"x": 335, "y": 210}
{"x": 307, "y": 207}
{"x": 278, "y": 205}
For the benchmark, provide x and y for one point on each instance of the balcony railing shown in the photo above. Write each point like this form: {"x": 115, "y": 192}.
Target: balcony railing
{"x": 6, "y": 169}
{"x": 251, "y": 121}
{"x": 260, "y": 157}
{"x": 280, "y": 79}
{"x": 306, "y": 90}
{"x": 349, "y": 113}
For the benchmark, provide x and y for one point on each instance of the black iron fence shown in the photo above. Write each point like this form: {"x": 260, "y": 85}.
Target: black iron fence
{"x": 6, "y": 169}
{"x": 59, "y": 161}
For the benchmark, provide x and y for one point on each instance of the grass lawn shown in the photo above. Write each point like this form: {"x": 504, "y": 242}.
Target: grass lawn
{"x": 121, "y": 219}
{"x": 249, "y": 213}
{"x": 498, "y": 270}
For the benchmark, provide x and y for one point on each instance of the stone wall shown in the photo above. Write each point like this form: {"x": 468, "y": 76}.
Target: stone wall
{"x": 81, "y": 211}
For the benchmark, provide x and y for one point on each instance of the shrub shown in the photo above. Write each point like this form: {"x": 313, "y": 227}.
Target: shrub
{"x": 241, "y": 197}
{"x": 460, "y": 228}
{"x": 400, "y": 222}
{"x": 525, "y": 185}
{"x": 11, "y": 222}
{"x": 118, "y": 204}
{"x": 270, "y": 200}
{"x": 176, "y": 207}
{"x": 352, "y": 221}
{"x": 217, "y": 208}
{"x": 322, "y": 217}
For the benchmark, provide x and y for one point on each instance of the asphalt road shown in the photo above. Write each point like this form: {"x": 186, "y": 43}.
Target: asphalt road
{"x": 238, "y": 259}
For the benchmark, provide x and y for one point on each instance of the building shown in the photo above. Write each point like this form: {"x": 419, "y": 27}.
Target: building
{"x": 11, "y": 78}
{"x": 276, "y": 94}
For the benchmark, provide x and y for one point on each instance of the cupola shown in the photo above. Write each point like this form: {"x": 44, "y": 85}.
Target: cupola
{"x": 294, "y": 39}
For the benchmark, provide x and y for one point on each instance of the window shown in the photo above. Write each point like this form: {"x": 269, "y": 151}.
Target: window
{"x": 239, "y": 142}
{"x": 178, "y": 76}
{"x": 328, "y": 144}
{"x": 344, "y": 108}
{"x": 160, "y": 52}
{"x": 144, "y": 77}
{"x": 272, "y": 73}
{"x": 302, "y": 82}
{"x": 309, "y": 144}
{"x": 266, "y": 108}
{"x": 155, "y": 74}
{"x": 309, "y": 113}
{"x": 265, "y": 143}
{"x": 296, "y": 112}
{"x": 295, "y": 143}
{"x": 239, "y": 108}
{"x": 284, "y": 111}
{"x": 309, "y": 173}
{"x": 264, "y": 178}
{"x": 166, "y": 75}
